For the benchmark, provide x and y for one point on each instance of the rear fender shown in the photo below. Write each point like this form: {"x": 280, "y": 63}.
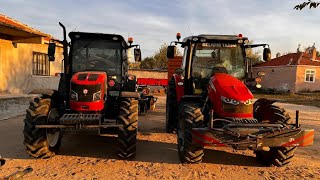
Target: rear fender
{"x": 130, "y": 83}
{"x": 178, "y": 79}
{"x": 128, "y": 94}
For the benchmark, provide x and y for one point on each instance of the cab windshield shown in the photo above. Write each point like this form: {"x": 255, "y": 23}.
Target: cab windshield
{"x": 228, "y": 58}
{"x": 96, "y": 55}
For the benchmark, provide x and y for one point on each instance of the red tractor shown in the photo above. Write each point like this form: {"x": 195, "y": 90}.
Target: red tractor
{"x": 208, "y": 103}
{"x": 95, "y": 95}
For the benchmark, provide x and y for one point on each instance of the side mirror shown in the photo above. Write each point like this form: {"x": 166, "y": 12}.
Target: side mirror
{"x": 137, "y": 55}
{"x": 51, "y": 51}
{"x": 171, "y": 51}
{"x": 266, "y": 54}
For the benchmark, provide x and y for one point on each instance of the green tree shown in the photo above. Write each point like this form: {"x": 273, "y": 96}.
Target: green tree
{"x": 253, "y": 55}
{"x": 311, "y": 4}
{"x": 147, "y": 63}
{"x": 158, "y": 60}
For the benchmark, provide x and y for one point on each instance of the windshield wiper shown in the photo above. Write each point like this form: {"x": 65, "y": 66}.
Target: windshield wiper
{"x": 85, "y": 46}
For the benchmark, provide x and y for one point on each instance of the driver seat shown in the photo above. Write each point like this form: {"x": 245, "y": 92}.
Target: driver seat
{"x": 219, "y": 70}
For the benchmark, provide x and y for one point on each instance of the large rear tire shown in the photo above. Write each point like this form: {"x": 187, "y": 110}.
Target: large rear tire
{"x": 127, "y": 135}
{"x": 171, "y": 108}
{"x": 35, "y": 139}
{"x": 191, "y": 117}
{"x": 265, "y": 111}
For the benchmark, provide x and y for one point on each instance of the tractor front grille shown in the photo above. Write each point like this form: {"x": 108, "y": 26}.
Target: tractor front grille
{"x": 240, "y": 108}
{"x": 85, "y": 92}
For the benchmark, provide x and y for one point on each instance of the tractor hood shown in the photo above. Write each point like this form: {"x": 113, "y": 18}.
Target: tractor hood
{"x": 89, "y": 77}
{"x": 230, "y": 87}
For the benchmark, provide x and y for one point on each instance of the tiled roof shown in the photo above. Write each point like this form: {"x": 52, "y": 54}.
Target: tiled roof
{"x": 299, "y": 58}
{"x": 9, "y": 22}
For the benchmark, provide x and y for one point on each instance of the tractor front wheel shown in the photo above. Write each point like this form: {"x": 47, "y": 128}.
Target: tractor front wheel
{"x": 40, "y": 143}
{"x": 191, "y": 117}
{"x": 266, "y": 111}
{"x": 276, "y": 156}
{"x": 127, "y": 134}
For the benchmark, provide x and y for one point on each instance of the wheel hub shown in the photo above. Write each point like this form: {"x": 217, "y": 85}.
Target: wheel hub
{"x": 53, "y": 135}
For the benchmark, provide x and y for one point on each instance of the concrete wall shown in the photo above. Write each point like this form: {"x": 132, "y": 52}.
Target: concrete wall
{"x": 149, "y": 73}
{"x": 301, "y": 85}
{"x": 280, "y": 78}
{"x": 16, "y": 67}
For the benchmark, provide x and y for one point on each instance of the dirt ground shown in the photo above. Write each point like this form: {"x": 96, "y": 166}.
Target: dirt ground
{"x": 93, "y": 157}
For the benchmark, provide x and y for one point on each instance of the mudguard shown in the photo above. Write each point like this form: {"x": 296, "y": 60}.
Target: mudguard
{"x": 129, "y": 94}
{"x": 178, "y": 79}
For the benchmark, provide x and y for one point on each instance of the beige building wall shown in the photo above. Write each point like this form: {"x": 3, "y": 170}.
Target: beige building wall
{"x": 301, "y": 85}
{"x": 149, "y": 74}
{"x": 282, "y": 78}
{"x": 16, "y": 67}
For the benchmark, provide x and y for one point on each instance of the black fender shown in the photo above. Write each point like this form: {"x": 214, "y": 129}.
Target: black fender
{"x": 128, "y": 94}
{"x": 55, "y": 96}
{"x": 130, "y": 84}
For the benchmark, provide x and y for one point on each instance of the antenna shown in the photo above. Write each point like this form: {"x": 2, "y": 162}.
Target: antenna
{"x": 190, "y": 30}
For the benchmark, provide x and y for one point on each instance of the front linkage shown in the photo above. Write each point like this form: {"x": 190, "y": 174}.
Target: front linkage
{"x": 274, "y": 144}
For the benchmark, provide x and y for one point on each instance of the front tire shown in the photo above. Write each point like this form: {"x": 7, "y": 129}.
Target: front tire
{"x": 276, "y": 156}
{"x": 127, "y": 135}
{"x": 35, "y": 139}
{"x": 191, "y": 117}
{"x": 265, "y": 111}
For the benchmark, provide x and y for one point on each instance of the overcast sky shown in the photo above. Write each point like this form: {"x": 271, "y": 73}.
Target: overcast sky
{"x": 154, "y": 22}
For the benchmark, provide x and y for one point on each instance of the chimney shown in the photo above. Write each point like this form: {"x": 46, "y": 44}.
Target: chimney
{"x": 277, "y": 55}
{"x": 314, "y": 53}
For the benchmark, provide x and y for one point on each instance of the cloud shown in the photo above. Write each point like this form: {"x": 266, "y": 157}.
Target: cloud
{"x": 153, "y": 23}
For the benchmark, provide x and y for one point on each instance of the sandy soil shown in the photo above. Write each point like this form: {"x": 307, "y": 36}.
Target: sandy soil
{"x": 93, "y": 157}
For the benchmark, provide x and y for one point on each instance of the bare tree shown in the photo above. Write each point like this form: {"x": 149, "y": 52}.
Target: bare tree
{"x": 311, "y": 4}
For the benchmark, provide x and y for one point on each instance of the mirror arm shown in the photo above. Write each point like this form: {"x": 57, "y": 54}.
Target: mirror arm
{"x": 255, "y": 45}
{"x": 135, "y": 45}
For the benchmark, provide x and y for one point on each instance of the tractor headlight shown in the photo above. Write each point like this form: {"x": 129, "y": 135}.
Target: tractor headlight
{"x": 73, "y": 96}
{"x": 248, "y": 102}
{"x": 229, "y": 100}
{"x": 97, "y": 96}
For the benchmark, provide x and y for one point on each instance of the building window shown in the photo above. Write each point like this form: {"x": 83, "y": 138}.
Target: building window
{"x": 40, "y": 64}
{"x": 310, "y": 75}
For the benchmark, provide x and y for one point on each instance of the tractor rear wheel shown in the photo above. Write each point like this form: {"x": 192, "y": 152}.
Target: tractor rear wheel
{"x": 40, "y": 143}
{"x": 276, "y": 156}
{"x": 171, "y": 107}
{"x": 191, "y": 117}
{"x": 127, "y": 134}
